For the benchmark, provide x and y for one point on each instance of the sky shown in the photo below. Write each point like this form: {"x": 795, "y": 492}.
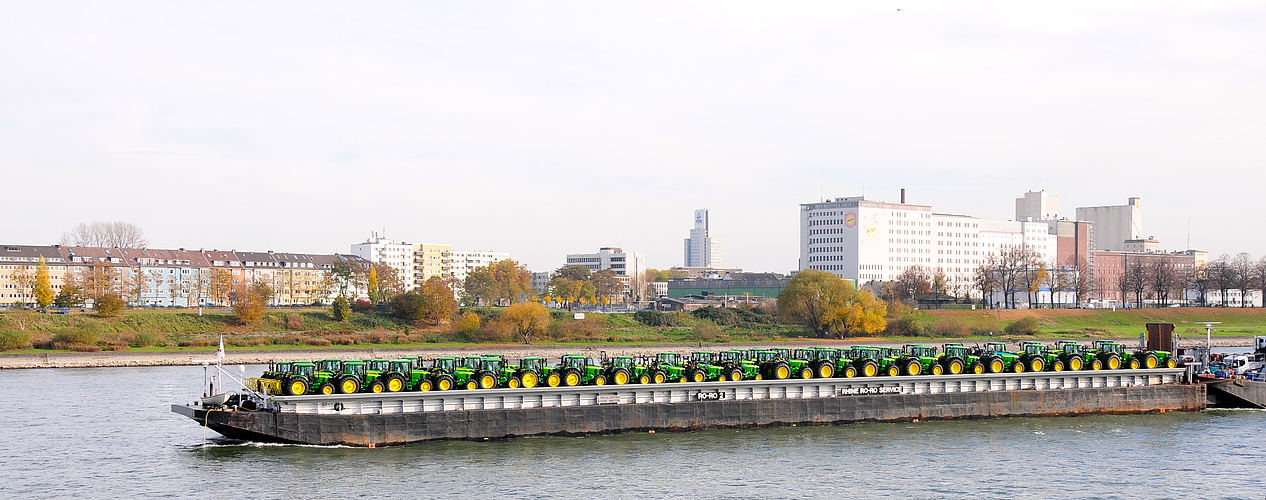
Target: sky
{"x": 543, "y": 128}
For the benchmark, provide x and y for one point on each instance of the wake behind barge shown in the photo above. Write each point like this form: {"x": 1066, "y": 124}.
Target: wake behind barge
{"x": 408, "y": 417}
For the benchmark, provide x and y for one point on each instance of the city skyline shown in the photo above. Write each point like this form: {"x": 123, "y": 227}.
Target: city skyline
{"x": 300, "y": 130}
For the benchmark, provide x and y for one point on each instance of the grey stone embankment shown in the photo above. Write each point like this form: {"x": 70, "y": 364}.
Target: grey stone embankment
{"x": 57, "y": 359}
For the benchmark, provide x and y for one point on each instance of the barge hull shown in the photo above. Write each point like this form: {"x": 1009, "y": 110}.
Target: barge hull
{"x": 409, "y": 427}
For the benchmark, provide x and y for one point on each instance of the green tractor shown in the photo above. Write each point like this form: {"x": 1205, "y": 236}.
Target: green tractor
{"x": 576, "y": 369}
{"x": 738, "y": 366}
{"x": 1153, "y": 359}
{"x": 1109, "y": 353}
{"x": 672, "y": 366}
{"x": 276, "y": 370}
{"x": 336, "y": 375}
{"x": 956, "y": 359}
{"x": 918, "y": 359}
{"x": 1075, "y": 356}
{"x": 642, "y": 369}
{"x": 656, "y": 367}
{"x": 997, "y": 359}
{"x": 384, "y": 375}
{"x": 863, "y": 359}
{"x": 772, "y": 365}
{"x": 303, "y": 378}
{"x": 618, "y": 370}
{"x": 703, "y": 367}
{"x": 1037, "y": 358}
{"x": 833, "y": 363}
{"x": 530, "y": 371}
{"x": 798, "y": 361}
{"x": 447, "y": 373}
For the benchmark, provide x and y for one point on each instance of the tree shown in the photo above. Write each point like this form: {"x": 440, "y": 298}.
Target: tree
{"x": 43, "y": 285}
{"x": 823, "y": 302}
{"x": 343, "y": 273}
{"x": 342, "y": 309}
{"x": 109, "y": 305}
{"x": 24, "y": 279}
{"x": 1242, "y": 277}
{"x": 249, "y": 303}
{"x": 386, "y": 280}
{"x": 221, "y": 285}
{"x": 606, "y": 284}
{"x": 572, "y": 271}
{"x": 1135, "y": 280}
{"x": 1221, "y": 276}
{"x": 511, "y": 281}
{"x": 437, "y": 300}
{"x": 372, "y": 284}
{"x": 117, "y": 234}
{"x": 911, "y": 283}
{"x": 985, "y": 279}
{"x": 69, "y": 296}
{"x": 526, "y": 319}
{"x": 1201, "y": 283}
{"x": 264, "y": 291}
{"x": 1162, "y": 276}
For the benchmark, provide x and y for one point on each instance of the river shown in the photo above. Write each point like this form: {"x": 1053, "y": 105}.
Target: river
{"x": 108, "y": 432}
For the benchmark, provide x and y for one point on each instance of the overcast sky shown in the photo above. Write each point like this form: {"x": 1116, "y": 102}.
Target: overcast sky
{"x": 547, "y": 128}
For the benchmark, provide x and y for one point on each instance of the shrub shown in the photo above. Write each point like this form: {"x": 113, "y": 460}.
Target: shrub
{"x": 318, "y": 341}
{"x": 706, "y": 331}
{"x": 656, "y": 318}
{"x": 1028, "y": 325}
{"x": 147, "y": 339}
{"x": 949, "y": 327}
{"x": 84, "y": 348}
{"x": 109, "y": 305}
{"x": 67, "y": 338}
{"x": 341, "y": 310}
{"x": 467, "y": 322}
{"x": 719, "y": 315}
{"x": 14, "y": 339}
{"x": 362, "y": 305}
{"x": 294, "y": 322}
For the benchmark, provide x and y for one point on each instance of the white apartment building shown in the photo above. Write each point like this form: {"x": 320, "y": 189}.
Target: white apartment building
{"x": 462, "y": 262}
{"x": 1114, "y": 225}
{"x": 397, "y": 254}
{"x": 702, "y": 250}
{"x": 868, "y": 240}
{"x": 629, "y": 267}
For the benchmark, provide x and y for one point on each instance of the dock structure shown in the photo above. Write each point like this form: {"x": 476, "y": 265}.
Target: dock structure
{"x": 404, "y": 417}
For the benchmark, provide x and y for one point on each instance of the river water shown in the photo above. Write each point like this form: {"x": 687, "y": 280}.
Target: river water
{"x": 108, "y": 432}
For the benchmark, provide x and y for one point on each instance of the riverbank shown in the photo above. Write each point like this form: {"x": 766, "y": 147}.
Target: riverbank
{"x": 235, "y": 356}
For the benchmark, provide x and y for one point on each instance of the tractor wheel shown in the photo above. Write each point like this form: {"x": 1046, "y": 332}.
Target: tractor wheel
{"x": 722, "y": 377}
{"x": 659, "y": 377}
{"x": 554, "y": 380}
{"x": 977, "y": 368}
{"x": 424, "y": 386}
{"x": 644, "y": 379}
{"x": 571, "y": 378}
{"x": 349, "y": 385}
{"x": 445, "y": 383}
{"x": 782, "y": 371}
{"x": 395, "y": 383}
{"x": 1057, "y": 366}
{"x": 1134, "y": 363}
{"x": 806, "y": 372}
{"x": 529, "y": 379}
{"x": 996, "y": 366}
{"x": 487, "y": 381}
{"x": 1150, "y": 361}
{"x": 620, "y": 377}
{"x": 758, "y": 377}
{"x": 955, "y": 366}
{"x": 377, "y": 386}
{"x": 471, "y": 385}
{"x": 850, "y": 372}
{"x": 1018, "y": 367}
{"x": 937, "y": 369}
{"x": 913, "y": 368}
{"x": 1170, "y": 363}
{"x": 825, "y": 370}
{"x": 870, "y": 368}
{"x": 600, "y": 380}
{"x": 893, "y": 370}
{"x": 1096, "y": 364}
{"x": 296, "y": 387}
{"x": 514, "y": 383}
{"x": 1074, "y": 363}
{"x": 698, "y": 376}
{"x": 1114, "y": 362}
{"x": 1037, "y": 365}
{"x": 736, "y": 374}
{"x": 327, "y": 388}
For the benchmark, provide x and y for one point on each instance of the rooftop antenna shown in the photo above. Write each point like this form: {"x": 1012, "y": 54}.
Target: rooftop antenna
{"x": 1188, "y": 231}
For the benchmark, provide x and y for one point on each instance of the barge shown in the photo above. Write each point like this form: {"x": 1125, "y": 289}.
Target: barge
{"x": 409, "y": 417}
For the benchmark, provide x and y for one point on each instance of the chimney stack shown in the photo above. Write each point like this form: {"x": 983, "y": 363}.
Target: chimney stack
{"x": 903, "y": 196}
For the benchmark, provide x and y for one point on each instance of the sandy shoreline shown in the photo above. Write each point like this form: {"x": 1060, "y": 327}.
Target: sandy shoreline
{"x": 235, "y": 356}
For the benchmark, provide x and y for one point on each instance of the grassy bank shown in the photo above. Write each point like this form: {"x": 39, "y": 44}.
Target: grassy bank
{"x": 175, "y": 330}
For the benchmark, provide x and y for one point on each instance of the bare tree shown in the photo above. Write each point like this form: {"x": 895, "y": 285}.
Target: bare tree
{"x": 985, "y": 279}
{"x": 911, "y": 283}
{"x": 1222, "y": 277}
{"x": 1136, "y": 280}
{"x": 1242, "y": 277}
{"x": 1162, "y": 277}
{"x": 116, "y": 234}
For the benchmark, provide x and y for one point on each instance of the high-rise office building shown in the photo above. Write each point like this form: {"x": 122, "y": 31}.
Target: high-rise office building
{"x": 702, "y": 250}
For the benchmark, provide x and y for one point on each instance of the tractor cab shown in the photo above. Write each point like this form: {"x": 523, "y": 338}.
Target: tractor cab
{"x": 330, "y": 366}
{"x": 444, "y": 365}
{"x": 701, "y": 357}
{"x": 625, "y": 362}
{"x": 491, "y": 364}
{"x": 377, "y": 366}
{"x": 354, "y": 368}
{"x": 531, "y": 364}
{"x": 302, "y": 369}
{"x": 668, "y": 358}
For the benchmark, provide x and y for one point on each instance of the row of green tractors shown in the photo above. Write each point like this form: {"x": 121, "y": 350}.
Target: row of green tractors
{"x": 489, "y": 371}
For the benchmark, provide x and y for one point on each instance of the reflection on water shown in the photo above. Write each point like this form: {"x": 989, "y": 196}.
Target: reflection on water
{"x": 108, "y": 432}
